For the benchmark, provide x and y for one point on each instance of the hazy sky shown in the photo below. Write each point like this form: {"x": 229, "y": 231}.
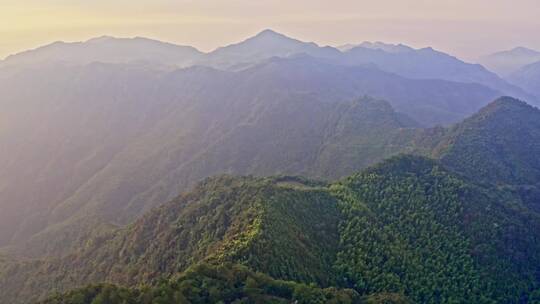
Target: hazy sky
{"x": 466, "y": 28}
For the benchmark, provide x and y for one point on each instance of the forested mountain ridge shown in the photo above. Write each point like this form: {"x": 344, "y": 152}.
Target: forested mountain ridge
{"x": 416, "y": 210}
{"x": 404, "y": 226}
{"x": 254, "y": 221}
{"x": 498, "y": 146}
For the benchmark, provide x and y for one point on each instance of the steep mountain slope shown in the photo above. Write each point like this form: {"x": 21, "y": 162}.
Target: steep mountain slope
{"x": 284, "y": 227}
{"x": 113, "y": 152}
{"x": 108, "y": 50}
{"x": 505, "y": 63}
{"x": 528, "y": 77}
{"x": 61, "y": 133}
{"x": 497, "y": 145}
{"x": 404, "y": 226}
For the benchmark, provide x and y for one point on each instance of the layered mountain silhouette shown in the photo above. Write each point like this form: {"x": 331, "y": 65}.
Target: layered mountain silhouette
{"x": 265, "y": 45}
{"x": 505, "y": 63}
{"x": 107, "y": 150}
{"x": 527, "y": 77}
{"x": 378, "y": 45}
{"x": 425, "y": 63}
{"x": 108, "y": 50}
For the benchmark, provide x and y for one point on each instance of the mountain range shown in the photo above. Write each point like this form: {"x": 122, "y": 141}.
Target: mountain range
{"x": 271, "y": 170}
{"x": 405, "y": 61}
{"x": 108, "y": 49}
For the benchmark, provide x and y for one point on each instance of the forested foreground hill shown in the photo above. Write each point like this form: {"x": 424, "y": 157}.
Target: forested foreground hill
{"x": 406, "y": 226}
{"x": 227, "y": 283}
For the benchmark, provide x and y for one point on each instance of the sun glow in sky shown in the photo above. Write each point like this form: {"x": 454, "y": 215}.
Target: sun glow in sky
{"x": 467, "y": 28}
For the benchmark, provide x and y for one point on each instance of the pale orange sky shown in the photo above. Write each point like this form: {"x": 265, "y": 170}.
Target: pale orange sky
{"x": 466, "y": 28}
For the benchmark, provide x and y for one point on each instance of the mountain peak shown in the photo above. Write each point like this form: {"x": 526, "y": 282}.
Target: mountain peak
{"x": 266, "y": 38}
{"x": 517, "y": 51}
{"x": 505, "y": 103}
{"x": 496, "y": 145}
{"x": 404, "y": 164}
{"x": 268, "y": 32}
{"x": 520, "y": 50}
{"x": 108, "y": 49}
{"x": 103, "y": 38}
{"x": 504, "y": 108}
{"x": 265, "y": 45}
{"x": 271, "y": 36}
{"x": 509, "y": 61}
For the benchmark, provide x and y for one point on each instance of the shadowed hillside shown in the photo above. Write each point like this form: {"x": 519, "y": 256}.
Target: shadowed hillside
{"x": 111, "y": 153}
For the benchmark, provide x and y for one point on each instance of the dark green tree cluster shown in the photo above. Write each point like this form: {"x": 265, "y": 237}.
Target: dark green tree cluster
{"x": 497, "y": 145}
{"x": 402, "y": 234}
{"x": 411, "y": 226}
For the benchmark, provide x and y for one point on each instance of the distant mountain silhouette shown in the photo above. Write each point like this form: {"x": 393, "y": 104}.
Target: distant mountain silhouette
{"x": 390, "y": 48}
{"x": 405, "y": 61}
{"x": 428, "y": 63}
{"x": 507, "y": 62}
{"x": 527, "y": 77}
{"x": 263, "y": 46}
{"x": 108, "y": 50}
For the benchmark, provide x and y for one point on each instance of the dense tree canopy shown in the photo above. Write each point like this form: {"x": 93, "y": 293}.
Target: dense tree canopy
{"x": 228, "y": 283}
